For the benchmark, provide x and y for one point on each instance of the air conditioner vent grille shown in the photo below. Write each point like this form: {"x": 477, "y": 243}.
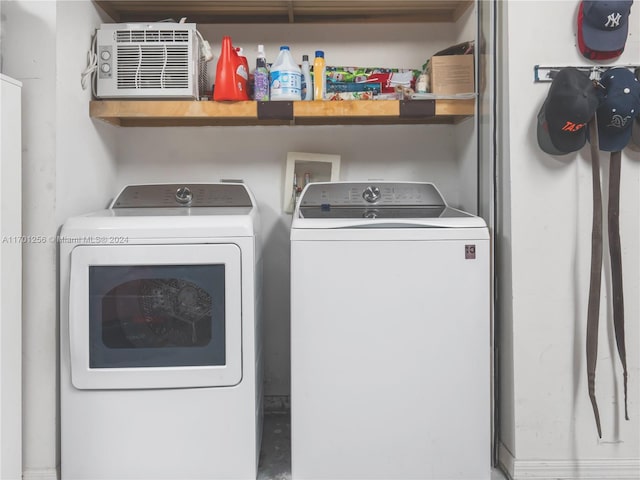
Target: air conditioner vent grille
{"x": 151, "y": 36}
{"x": 153, "y": 66}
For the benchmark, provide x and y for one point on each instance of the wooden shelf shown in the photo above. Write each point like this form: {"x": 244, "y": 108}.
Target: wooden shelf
{"x": 186, "y": 113}
{"x": 141, "y": 113}
{"x": 286, "y": 11}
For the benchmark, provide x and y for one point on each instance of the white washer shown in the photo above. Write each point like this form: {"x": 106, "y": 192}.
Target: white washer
{"x": 160, "y": 342}
{"x": 390, "y": 335}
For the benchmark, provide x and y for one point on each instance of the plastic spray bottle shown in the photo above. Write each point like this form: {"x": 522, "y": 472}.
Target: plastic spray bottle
{"x": 319, "y": 76}
{"x": 285, "y": 77}
{"x": 307, "y": 86}
{"x": 261, "y": 77}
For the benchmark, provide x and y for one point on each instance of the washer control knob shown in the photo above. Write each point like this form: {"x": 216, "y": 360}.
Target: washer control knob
{"x": 184, "y": 196}
{"x": 371, "y": 194}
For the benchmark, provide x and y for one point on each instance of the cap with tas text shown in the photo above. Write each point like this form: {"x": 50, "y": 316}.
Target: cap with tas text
{"x": 571, "y": 102}
{"x": 619, "y": 108}
{"x": 603, "y": 27}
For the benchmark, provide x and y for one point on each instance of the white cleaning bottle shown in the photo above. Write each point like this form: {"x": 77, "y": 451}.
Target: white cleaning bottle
{"x": 285, "y": 77}
{"x": 307, "y": 86}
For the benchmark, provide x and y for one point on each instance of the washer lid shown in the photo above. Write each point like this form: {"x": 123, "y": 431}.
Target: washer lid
{"x": 377, "y": 205}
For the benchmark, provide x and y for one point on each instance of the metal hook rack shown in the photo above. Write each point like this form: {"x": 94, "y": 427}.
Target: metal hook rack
{"x": 542, "y": 74}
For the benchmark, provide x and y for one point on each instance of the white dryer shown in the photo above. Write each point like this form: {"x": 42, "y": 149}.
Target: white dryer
{"x": 160, "y": 342}
{"x": 390, "y": 335}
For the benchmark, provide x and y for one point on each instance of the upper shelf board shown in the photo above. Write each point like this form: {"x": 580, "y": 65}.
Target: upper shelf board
{"x": 286, "y": 11}
{"x": 189, "y": 113}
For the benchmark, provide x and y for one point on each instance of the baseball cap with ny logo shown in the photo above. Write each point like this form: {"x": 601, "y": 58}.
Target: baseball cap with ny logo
{"x": 603, "y": 26}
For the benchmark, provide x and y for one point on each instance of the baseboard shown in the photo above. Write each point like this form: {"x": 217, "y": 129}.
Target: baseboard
{"x": 46, "y": 474}
{"x": 601, "y": 469}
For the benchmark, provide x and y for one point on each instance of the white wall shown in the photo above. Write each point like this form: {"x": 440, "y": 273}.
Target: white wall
{"x": 86, "y": 150}
{"x": 551, "y": 431}
{"x": 10, "y": 279}
{"x": 67, "y": 169}
{"x": 32, "y": 26}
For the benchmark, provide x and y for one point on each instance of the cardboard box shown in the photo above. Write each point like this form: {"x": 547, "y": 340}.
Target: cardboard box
{"x": 388, "y": 78}
{"x": 451, "y": 74}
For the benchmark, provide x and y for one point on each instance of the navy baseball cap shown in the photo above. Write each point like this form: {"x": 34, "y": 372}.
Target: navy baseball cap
{"x": 570, "y": 104}
{"x": 605, "y": 24}
{"x": 619, "y": 108}
{"x": 585, "y": 50}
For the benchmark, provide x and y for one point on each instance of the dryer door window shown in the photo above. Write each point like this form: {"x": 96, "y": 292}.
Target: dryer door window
{"x": 155, "y": 316}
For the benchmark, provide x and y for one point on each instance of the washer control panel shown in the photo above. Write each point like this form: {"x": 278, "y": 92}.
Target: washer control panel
{"x": 183, "y": 195}
{"x": 380, "y": 194}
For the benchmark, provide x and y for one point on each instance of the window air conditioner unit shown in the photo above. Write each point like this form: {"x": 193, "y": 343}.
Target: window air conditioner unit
{"x": 147, "y": 60}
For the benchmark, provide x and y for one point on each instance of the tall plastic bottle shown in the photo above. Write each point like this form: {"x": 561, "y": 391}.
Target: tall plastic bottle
{"x": 285, "y": 77}
{"x": 306, "y": 90}
{"x": 231, "y": 75}
{"x": 319, "y": 76}
{"x": 261, "y": 77}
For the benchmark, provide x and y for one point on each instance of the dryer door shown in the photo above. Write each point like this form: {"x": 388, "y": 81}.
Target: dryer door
{"x": 155, "y": 316}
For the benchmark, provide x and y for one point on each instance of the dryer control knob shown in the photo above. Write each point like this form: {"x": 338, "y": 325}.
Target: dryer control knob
{"x": 184, "y": 196}
{"x": 371, "y": 194}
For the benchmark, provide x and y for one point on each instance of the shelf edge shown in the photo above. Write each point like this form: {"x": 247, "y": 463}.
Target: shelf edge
{"x": 185, "y": 112}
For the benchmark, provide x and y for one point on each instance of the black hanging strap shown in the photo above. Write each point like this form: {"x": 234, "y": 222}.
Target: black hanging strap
{"x": 615, "y": 253}
{"x": 593, "y": 310}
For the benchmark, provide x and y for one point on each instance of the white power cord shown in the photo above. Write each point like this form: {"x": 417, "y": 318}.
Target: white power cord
{"x": 205, "y": 48}
{"x": 92, "y": 66}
